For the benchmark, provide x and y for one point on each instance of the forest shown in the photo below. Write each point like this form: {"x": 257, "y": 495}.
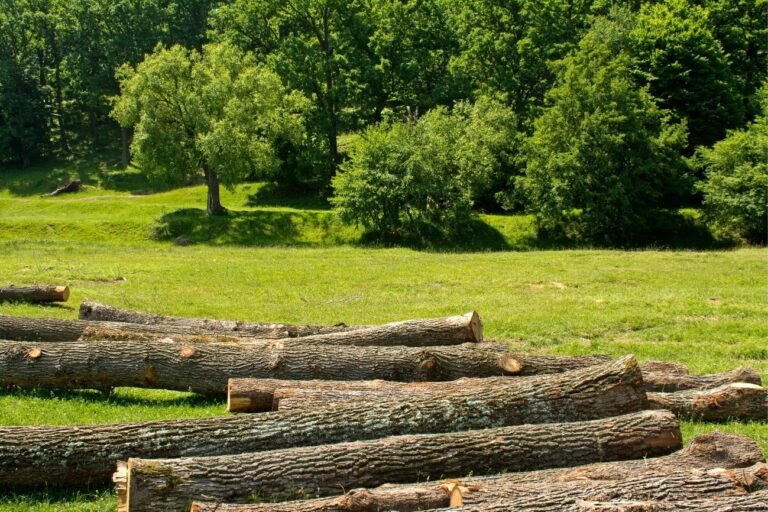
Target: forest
{"x": 602, "y": 118}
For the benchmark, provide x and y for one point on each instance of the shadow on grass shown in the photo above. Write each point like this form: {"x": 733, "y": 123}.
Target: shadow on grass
{"x": 57, "y": 496}
{"x": 117, "y": 399}
{"x": 273, "y": 195}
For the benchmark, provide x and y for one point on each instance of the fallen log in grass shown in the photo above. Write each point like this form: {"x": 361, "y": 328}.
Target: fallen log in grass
{"x": 737, "y": 401}
{"x": 172, "y": 484}
{"x": 38, "y": 456}
{"x": 670, "y": 382}
{"x": 677, "y": 477}
{"x": 753, "y": 502}
{"x": 34, "y": 294}
{"x": 206, "y": 368}
{"x": 451, "y": 330}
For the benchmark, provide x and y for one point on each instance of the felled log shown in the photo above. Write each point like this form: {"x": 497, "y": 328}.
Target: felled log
{"x": 425, "y": 332}
{"x": 650, "y": 484}
{"x": 67, "y": 188}
{"x": 205, "y": 368}
{"x": 669, "y": 367}
{"x": 36, "y": 456}
{"x": 34, "y": 294}
{"x": 668, "y": 382}
{"x": 737, "y": 401}
{"x": 97, "y": 312}
{"x": 172, "y": 484}
{"x": 753, "y": 502}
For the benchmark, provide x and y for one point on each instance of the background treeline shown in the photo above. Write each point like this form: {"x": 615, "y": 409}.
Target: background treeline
{"x": 601, "y": 117}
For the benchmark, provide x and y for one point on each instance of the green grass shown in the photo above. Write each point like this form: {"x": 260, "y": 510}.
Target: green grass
{"x": 290, "y": 260}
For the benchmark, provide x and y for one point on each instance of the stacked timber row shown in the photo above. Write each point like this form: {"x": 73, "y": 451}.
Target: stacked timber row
{"x": 378, "y": 408}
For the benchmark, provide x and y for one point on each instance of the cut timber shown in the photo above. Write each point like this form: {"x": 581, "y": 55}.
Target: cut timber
{"x": 753, "y": 502}
{"x": 35, "y": 294}
{"x": 94, "y": 311}
{"x": 172, "y": 484}
{"x": 528, "y": 492}
{"x": 205, "y": 368}
{"x": 67, "y": 188}
{"x": 670, "y": 382}
{"x": 38, "y": 456}
{"x": 737, "y": 401}
{"x": 668, "y": 367}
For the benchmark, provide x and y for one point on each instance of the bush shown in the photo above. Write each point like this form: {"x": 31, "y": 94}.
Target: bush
{"x": 736, "y": 188}
{"x": 416, "y": 181}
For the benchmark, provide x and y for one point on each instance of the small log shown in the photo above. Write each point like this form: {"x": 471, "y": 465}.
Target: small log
{"x": 737, "y": 401}
{"x": 35, "y": 294}
{"x": 671, "y": 382}
{"x": 95, "y": 311}
{"x": 69, "y": 187}
{"x": 36, "y": 456}
{"x": 529, "y": 492}
{"x": 172, "y": 484}
{"x": 205, "y": 368}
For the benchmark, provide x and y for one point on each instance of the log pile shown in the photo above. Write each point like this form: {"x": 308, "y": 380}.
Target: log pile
{"x": 403, "y": 413}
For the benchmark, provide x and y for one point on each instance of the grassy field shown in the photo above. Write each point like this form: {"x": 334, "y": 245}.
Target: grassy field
{"x": 289, "y": 259}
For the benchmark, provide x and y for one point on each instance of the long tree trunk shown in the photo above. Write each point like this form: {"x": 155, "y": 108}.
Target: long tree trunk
{"x": 35, "y": 294}
{"x": 213, "y": 205}
{"x": 206, "y": 367}
{"x": 680, "y": 479}
{"x": 423, "y": 332}
{"x": 738, "y": 401}
{"x": 753, "y": 502}
{"x": 261, "y": 395}
{"x": 36, "y": 456}
{"x": 670, "y": 382}
{"x": 172, "y": 484}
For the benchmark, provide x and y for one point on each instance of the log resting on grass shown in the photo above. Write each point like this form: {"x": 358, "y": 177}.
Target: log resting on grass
{"x": 172, "y": 484}
{"x": 35, "y": 294}
{"x": 528, "y": 492}
{"x": 449, "y": 330}
{"x": 670, "y": 382}
{"x": 737, "y": 401}
{"x": 753, "y": 502}
{"x": 36, "y": 456}
{"x": 206, "y": 368}
{"x": 95, "y": 311}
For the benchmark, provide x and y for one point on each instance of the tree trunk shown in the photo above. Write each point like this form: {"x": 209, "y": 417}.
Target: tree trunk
{"x": 667, "y": 367}
{"x": 52, "y": 329}
{"x": 753, "y": 502}
{"x": 172, "y": 484}
{"x": 206, "y": 367}
{"x": 425, "y": 332}
{"x": 738, "y": 401}
{"x": 679, "y": 480}
{"x": 35, "y": 294}
{"x": 213, "y": 206}
{"x": 36, "y": 456}
{"x": 94, "y": 311}
{"x": 669, "y": 382}
{"x": 125, "y": 154}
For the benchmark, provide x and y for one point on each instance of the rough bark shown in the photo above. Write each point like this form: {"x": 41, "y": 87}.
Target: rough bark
{"x": 753, "y": 502}
{"x": 53, "y": 329}
{"x": 35, "y": 294}
{"x": 677, "y": 482}
{"x": 668, "y": 367}
{"x": 67, "y": 188}
{"x": 213, "y": 202}
{"x": 94, "y": 311}
{"x": 424, "y": 332}
{"x": 206, "y": 367}
{"x": 738, "y": 401}
{"x": 172, "y": 484}
{"x": 32, "y": 456}
{"x": 670, "y": 382}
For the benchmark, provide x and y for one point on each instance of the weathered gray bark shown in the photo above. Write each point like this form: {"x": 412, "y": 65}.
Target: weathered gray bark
{"x": 753, "y": 502}
{"x": 94, "y": 311}
{"x": 450, "y": 330}
{"x": 172, "y": 484}
{"x": 668, "y": 367}
{"x": 670, "y": 382}
{"x": 206, "y": 367}
{"x": 52, "y": 329}
{"x": 35, "y": 294}
{"x": 738, "y": 401}
{"x": 77, "y": 455}
{"x": 676, "y": 482}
